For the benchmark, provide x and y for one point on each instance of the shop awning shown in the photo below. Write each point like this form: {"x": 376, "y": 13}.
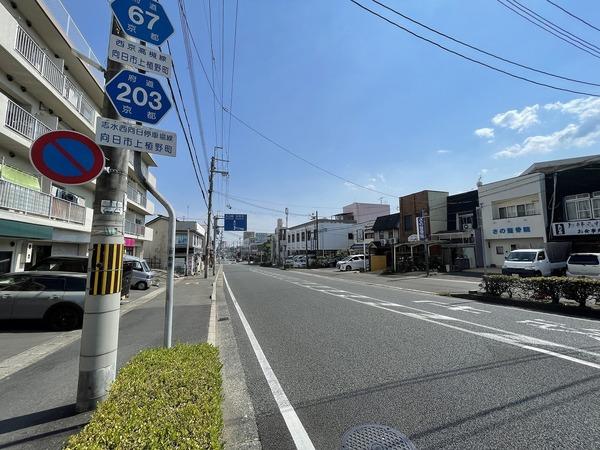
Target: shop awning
{"x": 11, "y": 228}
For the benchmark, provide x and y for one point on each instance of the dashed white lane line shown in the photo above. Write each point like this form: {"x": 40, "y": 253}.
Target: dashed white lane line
{"x": 295, "y": 427}
{"x": 429, "y": 293}
{"x": 499, "y": 335}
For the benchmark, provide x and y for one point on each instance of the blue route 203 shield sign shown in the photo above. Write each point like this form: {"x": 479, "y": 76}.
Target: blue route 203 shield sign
{"x": 138, "y": 97}
{"x": 143, "y": 19}
{"x": 236, "y": 222}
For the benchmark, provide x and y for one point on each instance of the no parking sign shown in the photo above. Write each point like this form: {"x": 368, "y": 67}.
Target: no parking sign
{"x": 67, "y": 157}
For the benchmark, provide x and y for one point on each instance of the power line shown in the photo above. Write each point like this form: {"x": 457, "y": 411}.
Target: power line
{"x": 573, "y": 15}
{"x": 188, "y": 53}
{"x": 548, "y": 30}
{"x": 241, "y": 121}
{"x": 468, "y": 58}
{"x": 191, "y": 136}
{"x": 532, "y": 13}
{"x": 485, "y": 52}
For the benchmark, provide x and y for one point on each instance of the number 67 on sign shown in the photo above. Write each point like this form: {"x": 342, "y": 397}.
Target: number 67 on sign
{"x": 145, "y": 20}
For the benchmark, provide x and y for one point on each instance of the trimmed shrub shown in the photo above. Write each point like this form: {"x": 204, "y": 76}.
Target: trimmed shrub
{"x": 581, "y": 289}
{"x": 162, "y": 399}
{"x": 542, "y": 288}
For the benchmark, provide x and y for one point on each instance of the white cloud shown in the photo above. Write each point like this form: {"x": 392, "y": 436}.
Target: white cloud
{"x": 350, "y": 186}
{"x": 484, "y": 171}
{"x": 584, "y": 108}
{"x": 571, "y": 136}
{"x": 487, "y": 133}
{"x": 443, "y": 152}
{"x": 381, "y": 177}
{"x": 371, "y": 186}
{"x": 517, "y": 120}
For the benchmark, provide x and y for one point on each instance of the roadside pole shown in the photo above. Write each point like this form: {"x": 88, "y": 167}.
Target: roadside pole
{"x": 187, "y": 252}
{"x": 208, "y": 221}
{"x": 134, "y": 97}
{"x": 317, "y": 231}
{"x": 215, "y": 229}
{"x": 100, "y": 331}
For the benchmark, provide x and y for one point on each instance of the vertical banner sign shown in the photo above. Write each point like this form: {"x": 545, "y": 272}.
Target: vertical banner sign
{"x": 421, "y": 228}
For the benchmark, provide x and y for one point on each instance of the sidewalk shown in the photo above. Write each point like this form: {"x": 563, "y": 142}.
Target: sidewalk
{"x": 38, "y": 402}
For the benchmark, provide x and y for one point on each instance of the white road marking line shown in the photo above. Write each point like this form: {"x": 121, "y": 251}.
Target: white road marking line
{"x": 299, "y": 434}
{"x": 504, "y": 336}
{"x": 430, "y": 293}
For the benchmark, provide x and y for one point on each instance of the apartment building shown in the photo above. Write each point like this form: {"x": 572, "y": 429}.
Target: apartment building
{"x": 324, "y": 237}
{"x": 44, "y": 87}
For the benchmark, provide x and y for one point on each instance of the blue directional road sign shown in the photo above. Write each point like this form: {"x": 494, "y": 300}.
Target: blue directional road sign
{"x": 138, "y": 97}
{"x": 143, "y": 19}
{"x": 236, "y": 222}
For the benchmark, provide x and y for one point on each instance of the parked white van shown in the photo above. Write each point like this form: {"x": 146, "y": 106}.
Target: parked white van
{"x": 584, "y": 265}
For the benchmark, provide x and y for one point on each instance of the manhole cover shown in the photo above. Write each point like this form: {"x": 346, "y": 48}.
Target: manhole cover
{"x": 375, "y": 437}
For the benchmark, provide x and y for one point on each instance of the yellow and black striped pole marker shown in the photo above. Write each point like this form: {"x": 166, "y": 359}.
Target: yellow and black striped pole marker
{"x": 106, "y": 271}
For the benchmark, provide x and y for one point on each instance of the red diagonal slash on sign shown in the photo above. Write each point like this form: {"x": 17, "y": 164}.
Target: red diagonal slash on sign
{"x": 67, "y": 155}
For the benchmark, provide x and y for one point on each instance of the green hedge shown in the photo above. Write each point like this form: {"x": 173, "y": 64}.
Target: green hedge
{"x": 162, "y": 399}
{"x": 543, "y": 288}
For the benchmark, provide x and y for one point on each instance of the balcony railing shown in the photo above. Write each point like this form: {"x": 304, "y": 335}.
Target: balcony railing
{"x": 134, "y": 228}
{"x": 33, "y": 53}
{"x": 136, "y": 196}
{"x": 19, "y": 120}
{"x": 24, "y": 200}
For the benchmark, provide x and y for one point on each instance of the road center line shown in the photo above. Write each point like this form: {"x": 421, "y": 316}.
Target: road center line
{"x": 299, "y": 434}
{"x": 504, "y": 336}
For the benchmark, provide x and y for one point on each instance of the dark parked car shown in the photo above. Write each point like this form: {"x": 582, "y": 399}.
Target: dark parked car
{"x": 56, "y": 297}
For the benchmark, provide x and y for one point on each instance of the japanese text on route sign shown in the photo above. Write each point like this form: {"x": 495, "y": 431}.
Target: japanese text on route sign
{"x": 139, "y": 56}
{"x": 138, "y": 97}
{"x": 113, "y": 133}
{"x": 143, "y": 19}
{"x": 235, "y": 222}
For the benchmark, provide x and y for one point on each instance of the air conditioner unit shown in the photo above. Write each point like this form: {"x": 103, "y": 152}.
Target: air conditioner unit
{"x": 467, "y": 227}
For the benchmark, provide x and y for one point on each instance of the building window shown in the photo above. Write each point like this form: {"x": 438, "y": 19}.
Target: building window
{"x": 390, "y": 234}
{"x": 289, "y": 239}
{"x": 596, "y": 204}
{"x": 499, "y": 250}
{"x": 369, "y": 235}
{"x": 351, "y": 236}
{"x": 408, "y": 223}
{"x": 297, "y": 237}
{"x": 465, "y": 221}
{"x": 302, "y": 234}
{"x": 525, "y": 209}
{"x": 293, "y": 238}
{"x": 308, "y": 235}
{"x": 578, "y": 207}
{"x": 381, "y": 235}
{"x": 513, "y": 247}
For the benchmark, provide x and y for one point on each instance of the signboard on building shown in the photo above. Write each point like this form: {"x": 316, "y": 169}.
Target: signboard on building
{"x": 139, "y": 56}
{"x": 517, "y": 231}
{"x": 114, "y": 133}
{"x": 236, "y": 222}
{"x": 421, "y": 228}
{"x": 145, "y": 20}
{"x": 138, "y": 97}
{"x": 577, "y": 228}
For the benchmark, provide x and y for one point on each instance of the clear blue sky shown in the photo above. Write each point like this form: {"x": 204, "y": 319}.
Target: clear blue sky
{"x": 369, "y": 102}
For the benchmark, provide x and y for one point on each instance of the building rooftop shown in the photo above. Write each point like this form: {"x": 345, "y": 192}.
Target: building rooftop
{"x": 388, "y": 222}
{"x": 548, "y": 167}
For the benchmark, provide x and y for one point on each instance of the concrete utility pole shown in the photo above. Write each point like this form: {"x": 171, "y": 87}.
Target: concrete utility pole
{"x": 317, "y": 232}
{"x": 207, "y": 248}
{"x": 215, "y": 229}
{"x": 99, "y": 336}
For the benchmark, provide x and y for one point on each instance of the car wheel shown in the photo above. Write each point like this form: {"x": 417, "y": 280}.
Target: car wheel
{"x": 141, "y": 285}
{"x": 348, "y": 268}
{"x": 64, "y": 318}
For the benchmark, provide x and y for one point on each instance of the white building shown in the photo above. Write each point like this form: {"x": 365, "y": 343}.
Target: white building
{"x": 513, "y": 216}
{"x": 365, "y": 212}
{"x": 44, "y": 87}
{"x": 332, "y": 236}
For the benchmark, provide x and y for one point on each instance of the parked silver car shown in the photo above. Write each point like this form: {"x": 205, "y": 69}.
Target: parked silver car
{"x": 56, "y": 297}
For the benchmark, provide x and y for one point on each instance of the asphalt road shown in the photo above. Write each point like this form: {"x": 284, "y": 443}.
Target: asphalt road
{"x": 447, "y": 373}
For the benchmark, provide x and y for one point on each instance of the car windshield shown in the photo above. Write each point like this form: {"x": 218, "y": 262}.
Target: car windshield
{"x": 145, "y": 266}
{"x": 588, "y": 260}
{"x": 522, "y": 256}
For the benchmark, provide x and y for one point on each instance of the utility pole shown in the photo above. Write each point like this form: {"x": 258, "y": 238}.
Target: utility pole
{"x": 306, "y": 246}
{"x": 207, "y": 248}
{"x": 317, "y": 231}
{"x": 187, "y": 253}
{"x": 216, "y": 226}
{"x": 100, "y": 332}
{"x": 423, "y": 216}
